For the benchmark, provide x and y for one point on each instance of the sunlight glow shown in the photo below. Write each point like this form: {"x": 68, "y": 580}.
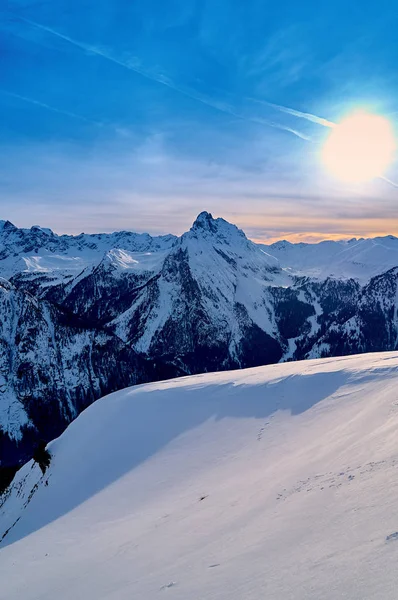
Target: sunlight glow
{"x": 359, "y": 148}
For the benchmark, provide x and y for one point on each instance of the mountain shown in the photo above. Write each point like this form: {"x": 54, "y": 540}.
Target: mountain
{"x": 274, "y": 482}
{"x": 208, "y": 300}
{"x": 39, "y": 258}
{"x": 207, "y": 306}
{"x": 52, "y": 366}
{"x": 359, "y": 259}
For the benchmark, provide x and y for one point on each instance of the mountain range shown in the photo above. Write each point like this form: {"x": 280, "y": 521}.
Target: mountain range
{"x": 82, "y": 316}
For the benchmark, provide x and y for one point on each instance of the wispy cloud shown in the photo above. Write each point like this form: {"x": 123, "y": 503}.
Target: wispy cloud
{"x": 133, "y": 64}
{"x": 150, "y": 188}
{"x": 49, "y": 107}
{"x": 299, "y": 134}
{"x": 282, "y": 60}
{"x": 297, "y": 113}
{"x": 392, "y": 183}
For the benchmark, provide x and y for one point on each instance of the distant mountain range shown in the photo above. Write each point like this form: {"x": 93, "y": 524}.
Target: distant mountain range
{"x": 81, "y": 316}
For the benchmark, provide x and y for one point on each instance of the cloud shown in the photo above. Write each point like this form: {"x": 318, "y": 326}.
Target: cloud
{"x": 133, "y": 64}
{"x": 270, "y": 190}
{"x": 282, "y": 60}
{"x": 297, "y": 113}
{"x": 395, "y": 185}
{"x": 49, "y": 107}
{"x": 150, "y": 189}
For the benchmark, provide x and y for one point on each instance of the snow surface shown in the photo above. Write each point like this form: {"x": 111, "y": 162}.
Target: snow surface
{"x": 122, "y": 260}
{"x": 278, "y": 482}
{"x": 360, "y": 259}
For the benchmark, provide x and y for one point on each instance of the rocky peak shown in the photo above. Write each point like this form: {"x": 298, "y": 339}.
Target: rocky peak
{"x": 205, "y": 226}
{"x": 41, "y": 230}
{"x": 7, "y": 226}
{"x": 204, "y": 221}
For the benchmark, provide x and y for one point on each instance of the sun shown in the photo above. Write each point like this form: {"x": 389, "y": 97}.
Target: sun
{"x": 359, "y": 148}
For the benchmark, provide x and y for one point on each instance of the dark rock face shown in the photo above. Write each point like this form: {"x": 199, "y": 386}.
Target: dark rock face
{"x": 52, "y": 368}
{"x": 364, "y": 320}
{"x": 151, "y": 308}
{"x": 291, "y": 313}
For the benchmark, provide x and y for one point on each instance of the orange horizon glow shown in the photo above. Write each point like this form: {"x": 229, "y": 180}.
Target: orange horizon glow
{"x": 270, "y": 228}
{"x": 311, "y": 237}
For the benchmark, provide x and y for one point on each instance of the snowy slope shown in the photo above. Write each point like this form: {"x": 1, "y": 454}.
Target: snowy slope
{"x": 277, "y": 482}
{"x": 360, "y": 259}
{"x": 37, "y": 251}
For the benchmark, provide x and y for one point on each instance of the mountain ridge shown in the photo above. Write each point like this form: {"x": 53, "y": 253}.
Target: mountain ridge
{"x": 208, "y": 300}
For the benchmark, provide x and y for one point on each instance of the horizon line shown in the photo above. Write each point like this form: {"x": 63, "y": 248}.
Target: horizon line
{"x": 293, "y": 237}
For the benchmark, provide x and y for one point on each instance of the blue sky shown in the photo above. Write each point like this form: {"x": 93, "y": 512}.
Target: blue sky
{"x": 141, "y": 114}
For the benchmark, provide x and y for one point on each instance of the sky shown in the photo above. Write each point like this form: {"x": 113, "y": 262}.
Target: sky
{"x": 140, "y": 114}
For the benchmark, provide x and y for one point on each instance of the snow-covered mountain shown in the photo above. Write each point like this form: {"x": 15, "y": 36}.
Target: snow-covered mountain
{"x": 52, "y": 366}
{"x": 209, "y": 300}
{"x": 359, "y": 259}
{"x": 275, "y": 482}
{"x": 39, "y": 253}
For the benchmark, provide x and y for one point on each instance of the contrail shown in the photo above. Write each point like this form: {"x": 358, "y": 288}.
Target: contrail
{"x": 227, "y": 109}
{"x": 49, "y": 107}
{"x": 395, "y": 185}
{"x": 161, "y": 79}
{"x": 297, "y": 113}
{"x": 299, "y": 134}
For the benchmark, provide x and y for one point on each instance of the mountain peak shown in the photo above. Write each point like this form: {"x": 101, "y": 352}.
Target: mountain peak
{"x": 205, "y": 221}
{"x": 7, "y": 226}
{"x": 45, "y": 230}
{"x": 206, "y": 225}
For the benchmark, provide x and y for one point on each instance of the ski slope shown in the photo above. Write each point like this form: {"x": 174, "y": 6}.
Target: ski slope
{"x": 278, "y": 482}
